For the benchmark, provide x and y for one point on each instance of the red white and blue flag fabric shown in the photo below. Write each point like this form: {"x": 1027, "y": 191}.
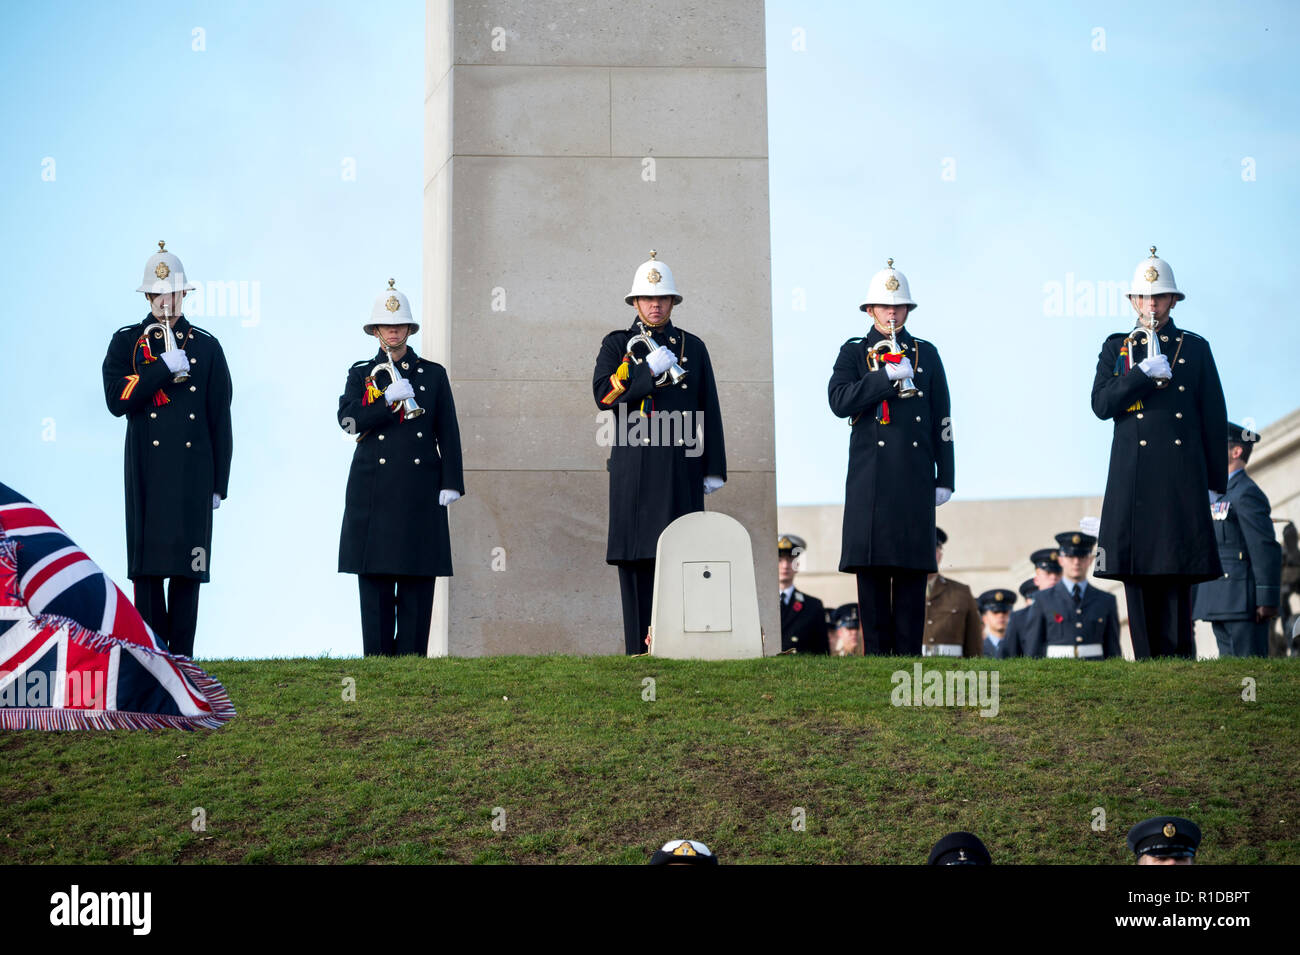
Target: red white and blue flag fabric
{"x": 74, "y": 653}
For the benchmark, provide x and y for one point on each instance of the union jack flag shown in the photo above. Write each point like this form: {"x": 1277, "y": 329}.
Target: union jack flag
{"x": 74, "y": 652}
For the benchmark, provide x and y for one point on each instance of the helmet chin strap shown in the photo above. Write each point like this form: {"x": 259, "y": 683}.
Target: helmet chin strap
{"x": 882, "y": 326}
{"x": 652, "y": 324}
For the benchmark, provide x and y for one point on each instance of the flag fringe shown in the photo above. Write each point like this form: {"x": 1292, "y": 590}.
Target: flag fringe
{"x": 52, "y": 718}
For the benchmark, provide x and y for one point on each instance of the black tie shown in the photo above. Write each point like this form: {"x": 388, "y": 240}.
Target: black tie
{"x": 1078, "y": 596}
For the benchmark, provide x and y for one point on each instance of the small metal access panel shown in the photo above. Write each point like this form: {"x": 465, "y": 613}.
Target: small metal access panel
{"x": 706, "y": 596}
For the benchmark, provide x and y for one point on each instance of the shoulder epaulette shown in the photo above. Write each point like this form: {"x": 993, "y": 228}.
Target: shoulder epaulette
{"x": 1191, "y": 334}
{"x": 203, "y": 331}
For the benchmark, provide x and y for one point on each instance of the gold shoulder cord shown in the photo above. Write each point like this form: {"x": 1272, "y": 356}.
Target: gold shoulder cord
{"x": 1175, "y": 358}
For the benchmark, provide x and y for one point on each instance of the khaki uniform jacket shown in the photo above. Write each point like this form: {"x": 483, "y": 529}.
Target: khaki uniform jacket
{"x": 952, "y": 616}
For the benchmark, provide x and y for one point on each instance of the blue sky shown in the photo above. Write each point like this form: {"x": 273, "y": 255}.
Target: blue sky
{"x": 1064, "y": 164}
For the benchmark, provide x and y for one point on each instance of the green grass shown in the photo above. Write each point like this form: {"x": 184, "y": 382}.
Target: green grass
{"x": 588, "y": 771}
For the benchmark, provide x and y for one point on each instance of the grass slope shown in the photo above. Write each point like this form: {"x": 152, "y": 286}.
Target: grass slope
{"x": 589, "y": 771}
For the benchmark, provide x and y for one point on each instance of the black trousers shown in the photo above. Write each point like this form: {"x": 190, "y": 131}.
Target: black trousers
{"x": 636, "y": 581}
{"x": 395, "y": 614}
{"x": 1160, "y": 617}
{"x": 1242, "y": 638}
{"x": 891, "y": 604}
{"x": 174, "y": 620}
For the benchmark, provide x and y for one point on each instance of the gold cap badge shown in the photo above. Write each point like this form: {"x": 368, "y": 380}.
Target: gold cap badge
{"x": 1075, "y": 539}
{"x": 1151, "y": 274}
{"x": 1055, "y": 554}
{"x": 1169, "y": 830}
{"x": 653, "y": 277}
{"x": 784, "y": 544}
{"x": 161, "y": 270}
{"x": 1000, "y": 597}
{"x": 685, "y": 849}
{"x": 392, "y": 304}
{"x": 891, "y": 283}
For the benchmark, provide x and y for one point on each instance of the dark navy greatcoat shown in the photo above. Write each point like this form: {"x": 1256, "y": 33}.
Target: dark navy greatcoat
{"x": 804, "y": 629}
{"x": 1249, "y": 552}
{"x": 177, "y": 453}
{"x": 1012, "y": 644}
{"x": 893, "y": 468}
{"x": 393, "y": 524}
{"x": 1053, "y": 620}
{"x": 1164, "y": 456}
{"x": 651, "y": 485}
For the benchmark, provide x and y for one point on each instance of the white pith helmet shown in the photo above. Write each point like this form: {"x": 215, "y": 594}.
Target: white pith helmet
{"x": 1153, "y": 276}
{"x": 391, "y": 308}
{"x": 653, "y": 278}
{"x": 888, "y": 287}
{"x": 164, "y": 273}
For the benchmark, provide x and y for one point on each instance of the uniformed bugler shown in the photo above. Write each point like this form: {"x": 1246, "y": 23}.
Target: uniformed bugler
{"x": 170, "y": 380}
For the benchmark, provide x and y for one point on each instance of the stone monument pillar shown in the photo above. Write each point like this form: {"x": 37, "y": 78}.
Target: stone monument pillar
{"x": 562, "y": 143}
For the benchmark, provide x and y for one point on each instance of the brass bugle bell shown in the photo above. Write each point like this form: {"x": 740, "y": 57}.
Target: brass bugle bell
{"x": 169, "y": 343}
{"x": 875, "y": 359}
{"x": 409, "y": 408}
{"x": 1151, "y": 339}
{"x": 675, "y": 372}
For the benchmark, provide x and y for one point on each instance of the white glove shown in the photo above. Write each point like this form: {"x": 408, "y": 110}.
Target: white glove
{"x": 900, "y": 371}
{"x": 712, "y": 483}
{"x": 1157, "y": 367}
{"x": 942, "y": 495}
{"x": 446, "y": 496}
{"x": 216, "y": 501}
{"x": 399, "y": 391}
{"x": 661, "y": 359}
{"x": 176, "y": 361}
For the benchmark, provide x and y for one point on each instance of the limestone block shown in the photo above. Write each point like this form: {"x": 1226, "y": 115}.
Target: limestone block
{"x": 437, "y": 41}
{"x": 610, "y": 33}
{"x": 551, "y": 591}
{"x": 532, "y": 111}
{"x": 508, "y": 213}
{"x": 435, "y": 320}
{"x": 438, "y": 127}
{"x": 700, "y": 112}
